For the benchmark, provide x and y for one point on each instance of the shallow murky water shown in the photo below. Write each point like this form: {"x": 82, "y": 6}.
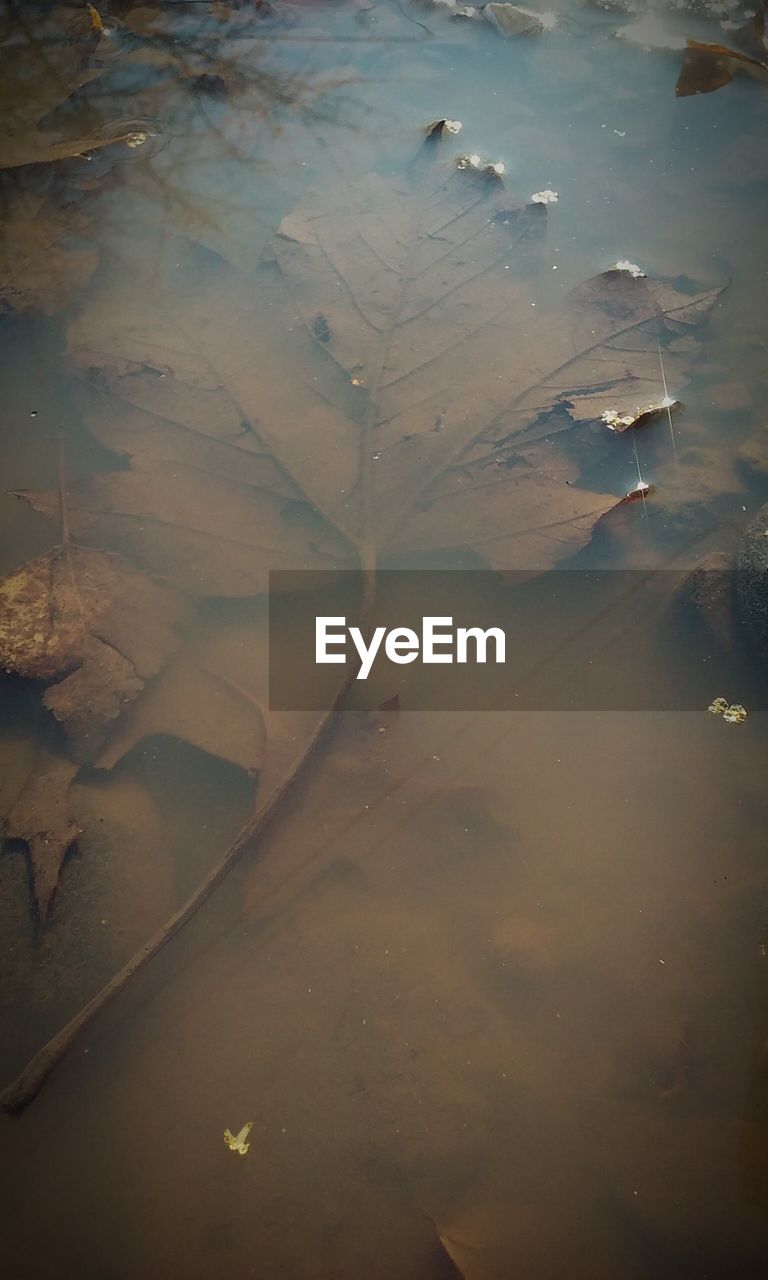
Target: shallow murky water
{"x": 493, "y": 977}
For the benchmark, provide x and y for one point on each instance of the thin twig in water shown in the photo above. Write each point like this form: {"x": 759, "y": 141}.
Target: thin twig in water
{"x": 25, "y": 1088}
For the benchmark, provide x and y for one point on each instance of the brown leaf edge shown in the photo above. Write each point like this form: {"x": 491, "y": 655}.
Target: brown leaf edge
{"x": 24, "y": 1089}
{"x": 707, "y": 67}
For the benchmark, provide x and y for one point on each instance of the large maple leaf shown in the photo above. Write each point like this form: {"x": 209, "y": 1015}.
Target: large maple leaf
{"x": 392, "y": 381}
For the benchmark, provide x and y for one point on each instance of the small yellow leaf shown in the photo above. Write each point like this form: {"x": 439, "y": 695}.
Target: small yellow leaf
{"x": 237, "y": 1141}
{"x": 95, "y": 16}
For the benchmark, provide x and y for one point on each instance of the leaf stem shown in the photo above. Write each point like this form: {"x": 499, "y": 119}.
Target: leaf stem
{"x": 25, "y": 1088}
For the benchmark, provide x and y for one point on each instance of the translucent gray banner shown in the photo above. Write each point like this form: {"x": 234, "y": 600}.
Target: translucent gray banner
{"x": 614, "y": 640}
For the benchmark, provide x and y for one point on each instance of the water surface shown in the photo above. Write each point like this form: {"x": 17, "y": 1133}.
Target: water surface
{"x": 495, "y": 975}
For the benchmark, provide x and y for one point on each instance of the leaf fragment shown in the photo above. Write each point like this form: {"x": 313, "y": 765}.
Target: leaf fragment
{"x": 732, "y": 713}
{"x": 95, "y": 623}
{"x": 640, "y": 416}
{"x": 707, "y": 67}
{"x": 92, "y": 697}
{"x": 238, "y": 1141}
{"x": 96, "y": 19}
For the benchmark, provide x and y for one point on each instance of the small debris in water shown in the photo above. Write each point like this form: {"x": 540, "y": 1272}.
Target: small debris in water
{"x": 548, "y": 196}
{"x": 490, "y": 168}
{"x": 736, "y": 714}
{"x": 733, "y": 713}
{"x": 628, "y": 268}
{"x": 616, "y": 421}
{"x": 135, "y": 140}
{"x": 238, "y": 1141}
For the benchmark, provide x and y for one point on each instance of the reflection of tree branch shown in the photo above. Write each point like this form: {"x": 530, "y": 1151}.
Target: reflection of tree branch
{"x": 194, "y": 58}
{"x": 177, "y": 91}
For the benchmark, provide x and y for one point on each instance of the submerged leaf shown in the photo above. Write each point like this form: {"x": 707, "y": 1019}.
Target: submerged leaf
{"x": 396, "y": 402}
{"x": 640, "y": 416}
{"x": 707, "y": 67}
{"x": 95, "y": 623}
{"x": 385, "y": 386}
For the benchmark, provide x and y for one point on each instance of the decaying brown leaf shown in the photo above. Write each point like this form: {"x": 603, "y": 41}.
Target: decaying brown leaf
{"x": 105, "y": 632}
{"x": 94, "y": 623}
{"x": 98, "y": 628}
{"x": 41, "y": 818}
{"x": 707, "y": 67}
{"x": 406, "y": 394}
{"x": 401, "y": 398}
